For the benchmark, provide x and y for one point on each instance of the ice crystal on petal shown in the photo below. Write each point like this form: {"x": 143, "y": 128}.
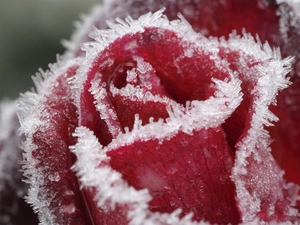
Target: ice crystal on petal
{"x": 253, "y": 157}
{"x": 44, "y": 116}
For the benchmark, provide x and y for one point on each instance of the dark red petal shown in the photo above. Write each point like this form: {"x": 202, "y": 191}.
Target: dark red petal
{"x": 190, "y": 172}
{"x": 54, "y": 190}
{"x": 238, "y": 124}
{"x": 13, "y": 208}
{"x": 256, "y": 174}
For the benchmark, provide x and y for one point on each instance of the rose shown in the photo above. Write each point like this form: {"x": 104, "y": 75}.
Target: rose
{"x": 287, "y": 110}
{"x": 13, "y": 209}
{"x": 206, "y": 137}
{"x": 276, "y": 22}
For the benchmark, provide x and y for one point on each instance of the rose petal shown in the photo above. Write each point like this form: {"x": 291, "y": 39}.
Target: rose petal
{"x": 261, "y": 189}
{"x": 190, "y": 172}
{"x": 48, "y": 120}
{"x": 13, "y": 209}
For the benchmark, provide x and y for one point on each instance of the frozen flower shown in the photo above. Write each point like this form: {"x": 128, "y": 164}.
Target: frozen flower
{"x": 150, "y": 122}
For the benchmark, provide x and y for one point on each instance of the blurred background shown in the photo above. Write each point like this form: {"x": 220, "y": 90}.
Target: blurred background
{"x": 30, "y": 37}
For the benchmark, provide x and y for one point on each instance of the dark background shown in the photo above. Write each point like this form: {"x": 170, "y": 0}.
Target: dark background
{"x": 30, "y": 37}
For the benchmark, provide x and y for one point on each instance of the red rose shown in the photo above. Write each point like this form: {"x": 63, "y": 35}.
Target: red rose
{"x": 157, "y": 124}
{"x": 274, "y": 21}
